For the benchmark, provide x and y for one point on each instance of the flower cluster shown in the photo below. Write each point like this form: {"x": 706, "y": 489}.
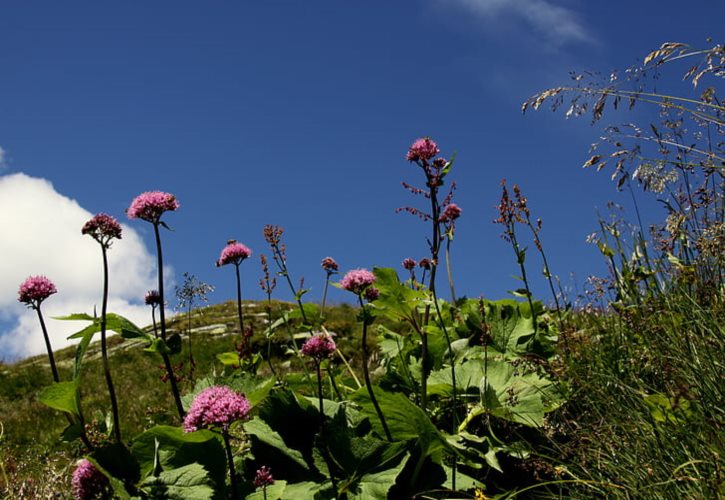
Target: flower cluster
{"x": 233, "y": 253}
{"x": 425, "y": 264}
{"x": 422, "y": 149}
{"x": 357, "y": 280}
{"x": 151, "y": 205}
{"x": 263, "y": 478}
{"x": 217, "y": 406}
{"x": 319, "y": 347}
{"x": 152, "y": 298}
{"x": 329, "y": 265}
{"x": 371, "y": 293}
{"x": 409, "y": 264}
{"x": 35, "y": 290}
{"x": 102, "y": 228}
{"x": 450, "y": 213}
{"x": 88, "y": 482}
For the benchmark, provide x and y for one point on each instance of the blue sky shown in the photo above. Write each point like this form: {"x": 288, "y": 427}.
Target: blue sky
{"x": 299, "y": 114}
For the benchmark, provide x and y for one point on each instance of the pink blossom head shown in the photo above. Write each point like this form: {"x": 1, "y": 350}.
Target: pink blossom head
{"x": 371, "y": 293}
{"x": 151, "y": 205}
{"x": 152, "y": 298}
{"x": 217, "y": 406}
{"x": 263, "y": 478}
{"x": 451, "y": 213}
{"x": 319, "y": 347}
{"x": 35, "y": 290}
{"x": 439, "y": 163}
{"x": 409, "y": 264}
{"x": 422, "y": 149}
{"x": 102, "y": 228}
{"x": 233, "y": 253}
{"x": 329, "y": 265}
{"x": 357, "y": 280}
{"x": 88, "y": 482}
{"x": 425, "y": 264}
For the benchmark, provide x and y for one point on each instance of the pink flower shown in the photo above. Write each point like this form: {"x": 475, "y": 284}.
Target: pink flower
{"x": 357, "y": 280}
{"x": 425, "y": 264}
{"x": 35, "y": 290}
{"x": 152, "y": 298}
{"x": 320, "y": 346}
{"x": 233, "y": 253}
{"x": 263, "y": 478}
{"x": 150, "y": 205}
{"x": 216, "y": 406}
{"x": 371, "y": 293}
{"x": 409, "y": 264}
{"x": 103, "y": 228}
{"x": 329, "y": 265}
{"x": 422, "y": 150}
{"x": 450, "y": 213}
{"x": 88, "y": 482}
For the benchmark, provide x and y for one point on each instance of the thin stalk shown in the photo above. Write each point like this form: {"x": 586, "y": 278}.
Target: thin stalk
{"x": 448, "y": 270}
{"x": 56, "y": 379}
{"x": 51, "y": 357}
{"x": 324, "y": 295}
{"x": 366, "y": 374}
{"x": 104, "y": 350}
{"x": 230, "y": 461}
{"x": 323, "y": 440}
{"x": 191, "y": 354}
{"x": 162, "y": 321}
{"x": 239, "y": 299}
{"x": 153, "y": 320}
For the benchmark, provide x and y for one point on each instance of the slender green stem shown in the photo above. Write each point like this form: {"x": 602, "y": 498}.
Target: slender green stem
{"x": 324, "y": 294}
{"x": 104, "y": 350}
{"x": 230, "y": 461}
{"x": 162, "y": 321}
{"x": 366, "y": 373}
{"x": 323, "y": 433}
{"x": 448, "y": 270}
{"x": 51, "y": 357}
{"x": 239, "y": 299}
{"x": 56, "y": 378}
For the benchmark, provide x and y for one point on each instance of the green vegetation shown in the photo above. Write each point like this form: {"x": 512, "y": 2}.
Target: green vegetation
{"x": 616, "y": 397}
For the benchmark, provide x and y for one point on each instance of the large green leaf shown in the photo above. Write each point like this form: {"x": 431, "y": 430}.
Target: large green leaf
{"x": 189, "y": 482}
{"x": 519, "y": 397}
{"x": 376, "y": 486}
{"x": 114, "y": 322}
{"x": 281, "y": 490}
{"x": 178, "y": 449}
{"x": 269, "y": 444}
{"x": 396, "y": 301}
{"x": 468, "y": 378}
{"x": 61, "y": 396}
{"x": 404, "y": 419}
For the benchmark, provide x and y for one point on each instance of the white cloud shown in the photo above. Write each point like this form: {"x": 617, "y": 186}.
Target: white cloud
{"x": 41, "y": 234}
{"x": 553, "y": 23}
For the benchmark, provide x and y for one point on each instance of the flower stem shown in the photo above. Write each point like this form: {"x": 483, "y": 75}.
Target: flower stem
{"x": 162, "y": 322}
{"x": 239, "y": 300}
{"x": 230, "y": 461}
{"x": 104, "y": 350}
{"x": 51, "y": 358}
{"x": 56, "y": 379}
{"x": 366, "y": 373}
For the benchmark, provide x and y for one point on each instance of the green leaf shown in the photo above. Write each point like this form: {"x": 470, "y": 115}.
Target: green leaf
{"x": 75, "y": 317}
{"x": 230, "y": 358}
{"x": 396, "y": 301}
{"x": 377, "y": 485}
{"x": 521, "y": 398}
{"x": 158, "y": 345}
{"x": 174, "y": 343}
{"x": 265, "y": 435}
{"x": 404, "y": 419}
{"x": 182, "y": 483}
{"x": 468, "y": 378}
{"x": 178, "y": 449}
{"x": 117, "y": 462}
{"x": 61, "y": 396}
